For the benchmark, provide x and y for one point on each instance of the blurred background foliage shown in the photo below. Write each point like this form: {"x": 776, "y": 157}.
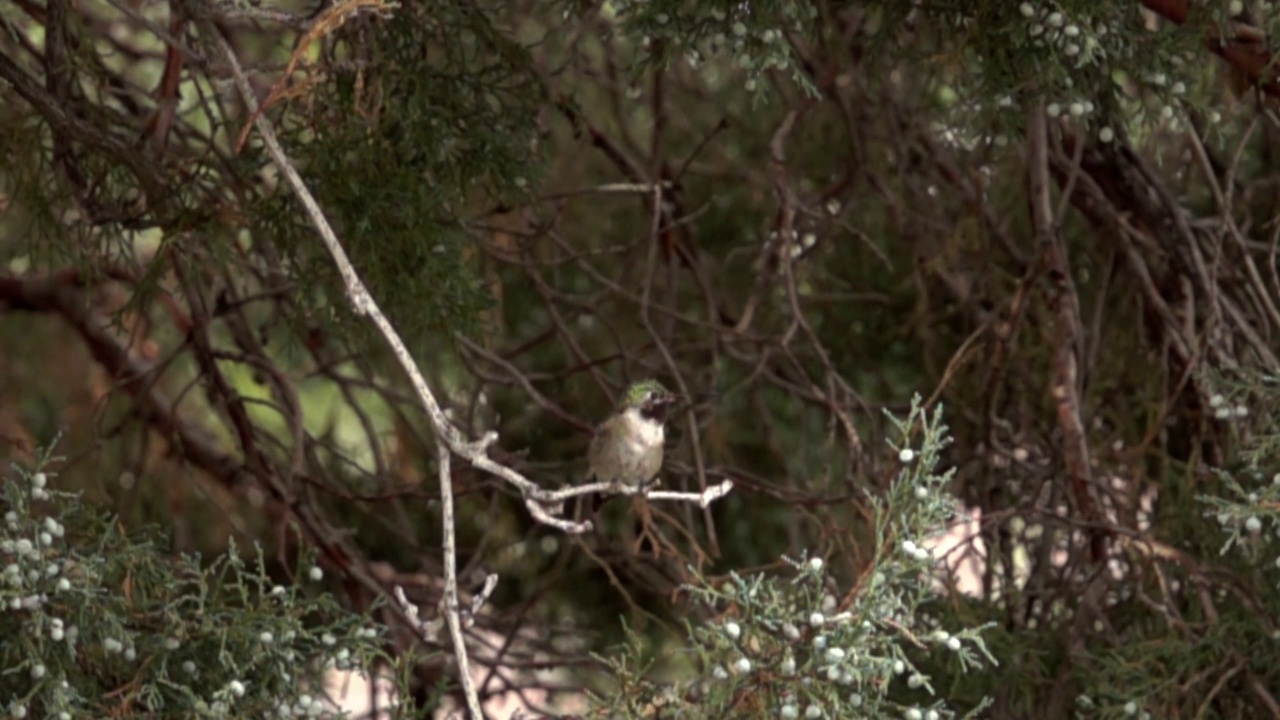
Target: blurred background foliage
{"x": 796, "y": 214}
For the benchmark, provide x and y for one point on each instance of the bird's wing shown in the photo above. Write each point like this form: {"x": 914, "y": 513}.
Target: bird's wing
{"x": 594, "y": 454}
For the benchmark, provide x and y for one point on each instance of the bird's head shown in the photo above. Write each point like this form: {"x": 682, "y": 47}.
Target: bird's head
{"x": 650, "y": 398}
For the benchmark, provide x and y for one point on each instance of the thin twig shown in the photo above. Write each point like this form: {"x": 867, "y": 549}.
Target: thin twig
{"x": 452, "y": 612}
{"x": 1065, "y": 305}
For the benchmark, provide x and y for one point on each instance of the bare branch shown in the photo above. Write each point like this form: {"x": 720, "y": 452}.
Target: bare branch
{"x": 452, "y": 613}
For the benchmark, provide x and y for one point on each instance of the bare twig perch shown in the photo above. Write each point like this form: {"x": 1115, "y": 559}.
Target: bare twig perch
{"x": 702, "y": 499}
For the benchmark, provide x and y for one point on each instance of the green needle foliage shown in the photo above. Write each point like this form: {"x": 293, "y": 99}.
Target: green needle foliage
{"x": 98, "y": 622}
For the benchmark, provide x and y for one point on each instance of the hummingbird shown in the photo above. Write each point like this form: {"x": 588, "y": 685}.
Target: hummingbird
{"x": 627, "y": 447}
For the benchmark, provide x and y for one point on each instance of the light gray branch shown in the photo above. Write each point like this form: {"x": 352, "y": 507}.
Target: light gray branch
{"x": 453, "y": 614}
